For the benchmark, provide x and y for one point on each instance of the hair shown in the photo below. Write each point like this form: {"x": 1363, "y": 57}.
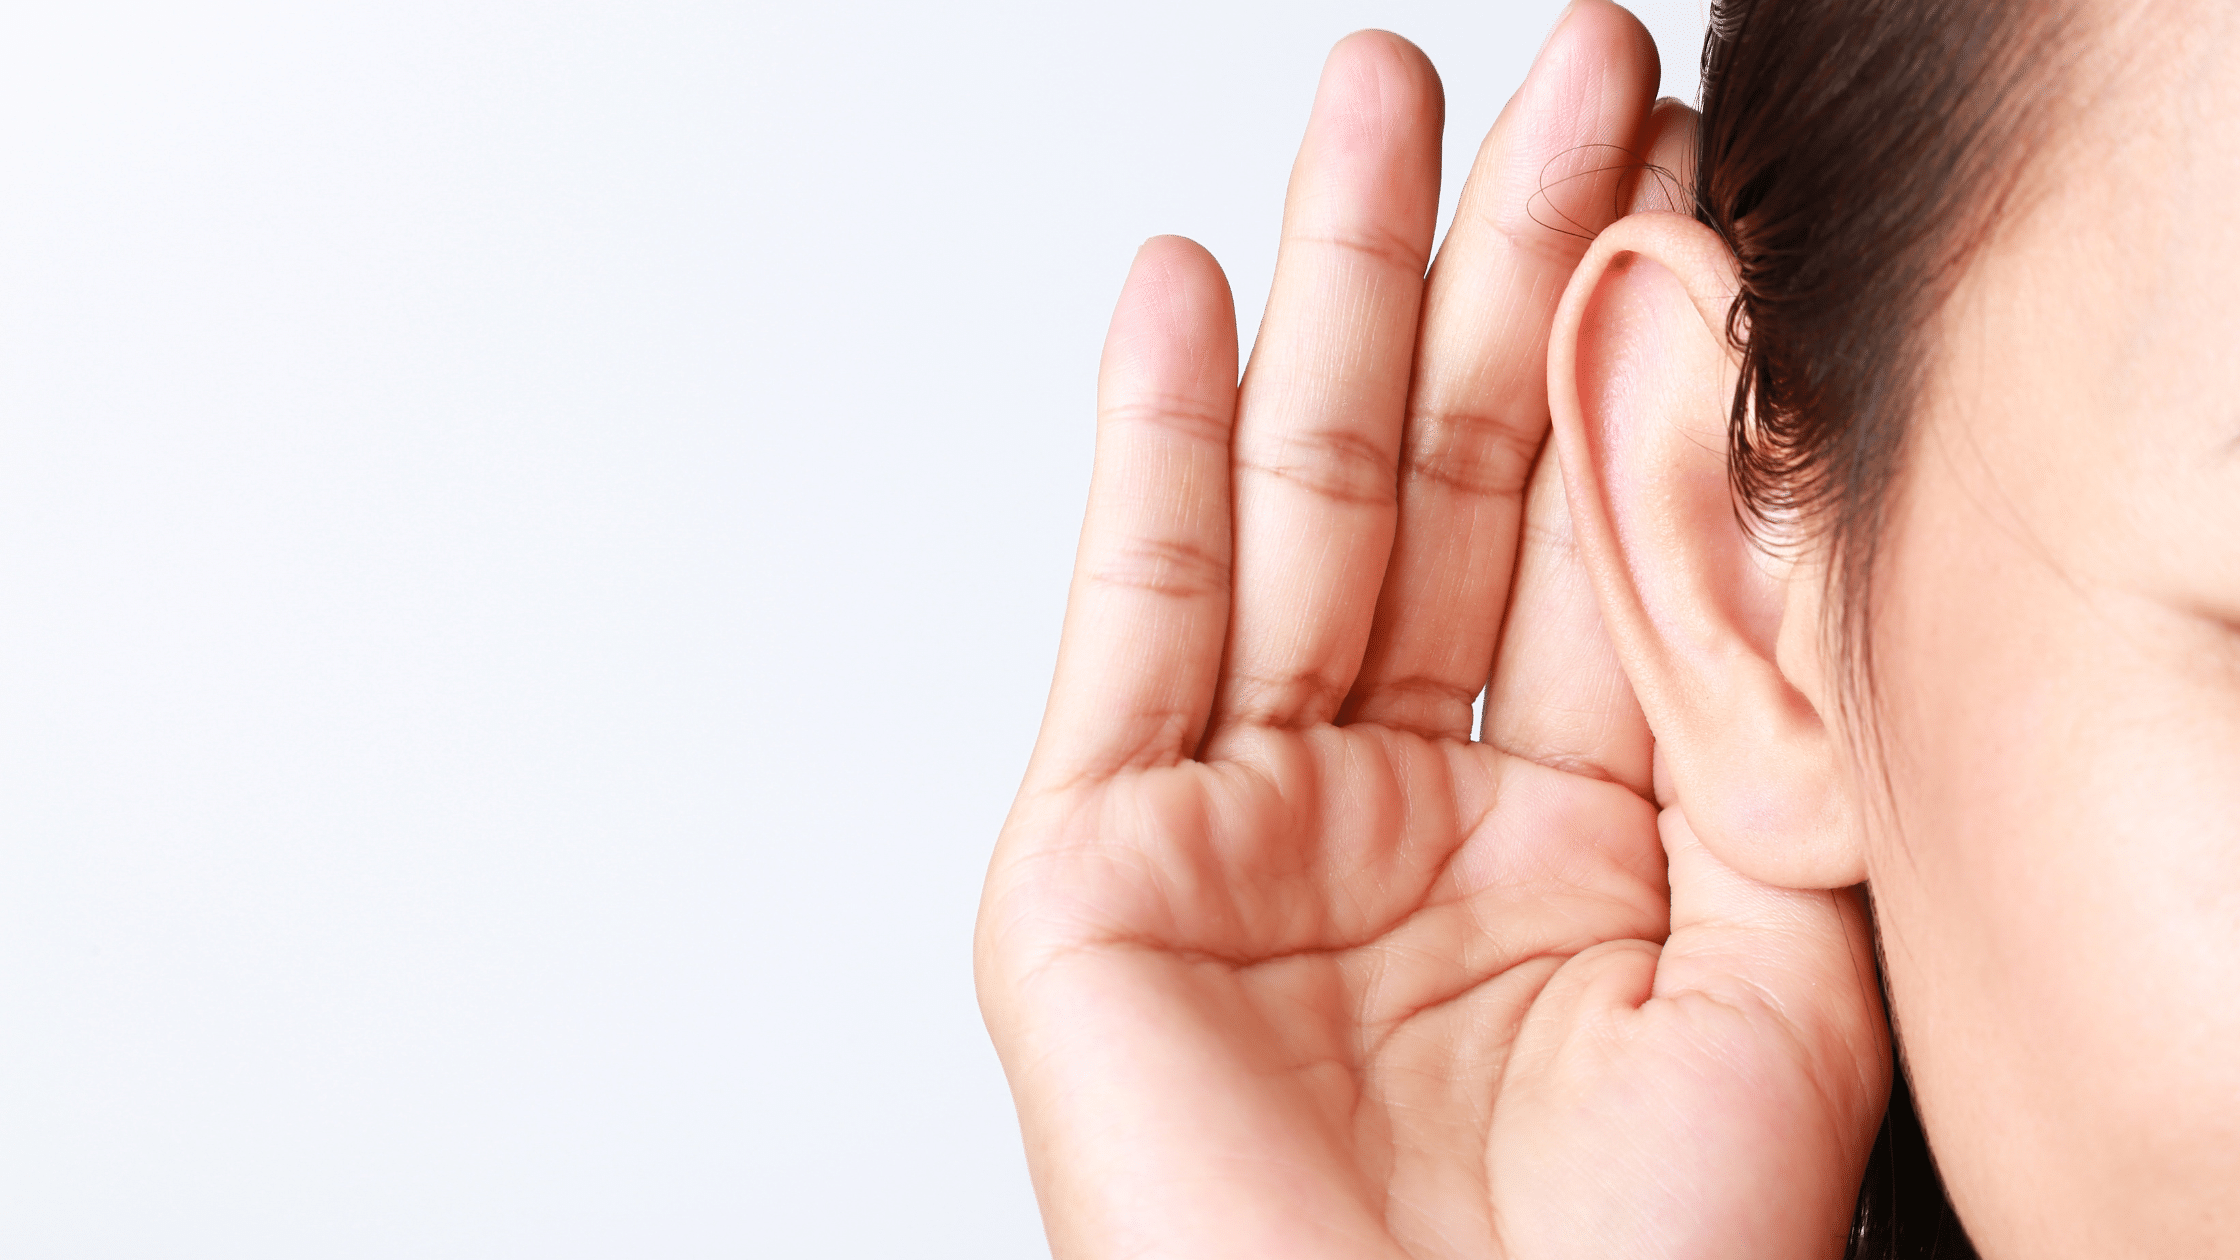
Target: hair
{"x": 1854, "y": 154}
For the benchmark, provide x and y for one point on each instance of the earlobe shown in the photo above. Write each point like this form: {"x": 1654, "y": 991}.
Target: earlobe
{"x": 1640, "y": 375}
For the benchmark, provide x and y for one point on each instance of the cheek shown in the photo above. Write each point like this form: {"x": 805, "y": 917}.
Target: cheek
{"x": 2056, "y": 869}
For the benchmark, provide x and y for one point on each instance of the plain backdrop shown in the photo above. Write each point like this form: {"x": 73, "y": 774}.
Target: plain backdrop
{"x": 532, "y": 539}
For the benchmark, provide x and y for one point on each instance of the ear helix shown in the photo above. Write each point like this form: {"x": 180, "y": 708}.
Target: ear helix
{"x": 1638, "y": 349}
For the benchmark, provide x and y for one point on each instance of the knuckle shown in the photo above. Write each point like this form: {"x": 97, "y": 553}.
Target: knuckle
{"x": 1424, "y": 687}
{"x": 1474, "y": 453}
{"x": 1170, "y": 568}
{"x": 1379, "y": 248}
{"x": 1156, "y": 737}
{"x": 1537, "y": 231}
{"x": 1336, "y": 465}
{"x": 1298, "y": 697}
{"x": 1421, "y": 705}
{"x": 1169, "y": 415}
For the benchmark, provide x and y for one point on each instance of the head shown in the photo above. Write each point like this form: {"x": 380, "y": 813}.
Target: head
{"x": 1908, "y": 471}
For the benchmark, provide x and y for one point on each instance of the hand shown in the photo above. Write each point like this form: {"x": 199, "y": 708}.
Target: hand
{"x": 1279, "y": 960}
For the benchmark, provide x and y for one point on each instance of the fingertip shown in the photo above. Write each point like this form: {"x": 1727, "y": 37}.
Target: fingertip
{"x": 1556, "y": 159}
{"x": 1169, "y": 250}
{"x": 1371, "y": 41}
{"x": 1379, "y": 66}
{"x": 1598, "y": 66}
{"x": 1180, "y": 266}
{"x": 1176, "y": 308}
{"x": 1604, "y": 24}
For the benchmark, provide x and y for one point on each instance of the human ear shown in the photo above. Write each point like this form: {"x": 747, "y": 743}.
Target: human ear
{"x": 1715, "y": 634}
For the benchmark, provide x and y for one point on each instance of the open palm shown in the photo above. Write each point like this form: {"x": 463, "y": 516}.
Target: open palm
{"x": 1280, "y": 959}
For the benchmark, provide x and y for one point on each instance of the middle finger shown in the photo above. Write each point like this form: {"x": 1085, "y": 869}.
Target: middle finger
{"x": 1318, "y": 415}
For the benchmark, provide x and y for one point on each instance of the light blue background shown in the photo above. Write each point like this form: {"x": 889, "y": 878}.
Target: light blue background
{"x": 531, "y": 544}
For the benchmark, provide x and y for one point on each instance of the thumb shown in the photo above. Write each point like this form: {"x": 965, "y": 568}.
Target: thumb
{"x": 1803, "y": 957}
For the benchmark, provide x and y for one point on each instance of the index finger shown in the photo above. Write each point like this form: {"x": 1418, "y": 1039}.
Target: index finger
{"x": 1558, "y": 694}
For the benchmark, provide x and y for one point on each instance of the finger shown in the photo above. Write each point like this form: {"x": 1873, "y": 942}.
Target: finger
{"x": 1318, "y": 423}
{"x": 1150, "y": 596}
{"x": 1551, "y": 173}
{"x": 1806, "y": 957}
{"x": 1667, "y": 180}
{"x": 1558, "y": 695}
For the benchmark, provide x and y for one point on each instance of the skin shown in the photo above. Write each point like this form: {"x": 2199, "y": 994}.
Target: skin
{"x": 1279, "y": 959}
{"x": 2044, "y": 798}
{"x": 1281, "y": 962}
{"x": 2059, "y": 874}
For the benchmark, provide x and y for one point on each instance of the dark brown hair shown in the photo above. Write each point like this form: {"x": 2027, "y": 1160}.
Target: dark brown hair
{"x": 1854, "y": 154}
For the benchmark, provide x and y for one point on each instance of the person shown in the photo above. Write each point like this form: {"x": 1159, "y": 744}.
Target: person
{"x": 1836, "y": 495}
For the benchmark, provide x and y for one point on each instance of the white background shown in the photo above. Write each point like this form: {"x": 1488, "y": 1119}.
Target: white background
{"x": 531, "y": 544}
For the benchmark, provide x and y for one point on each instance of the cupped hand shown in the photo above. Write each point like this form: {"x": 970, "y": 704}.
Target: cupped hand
{"x": 1280, "y": 960}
